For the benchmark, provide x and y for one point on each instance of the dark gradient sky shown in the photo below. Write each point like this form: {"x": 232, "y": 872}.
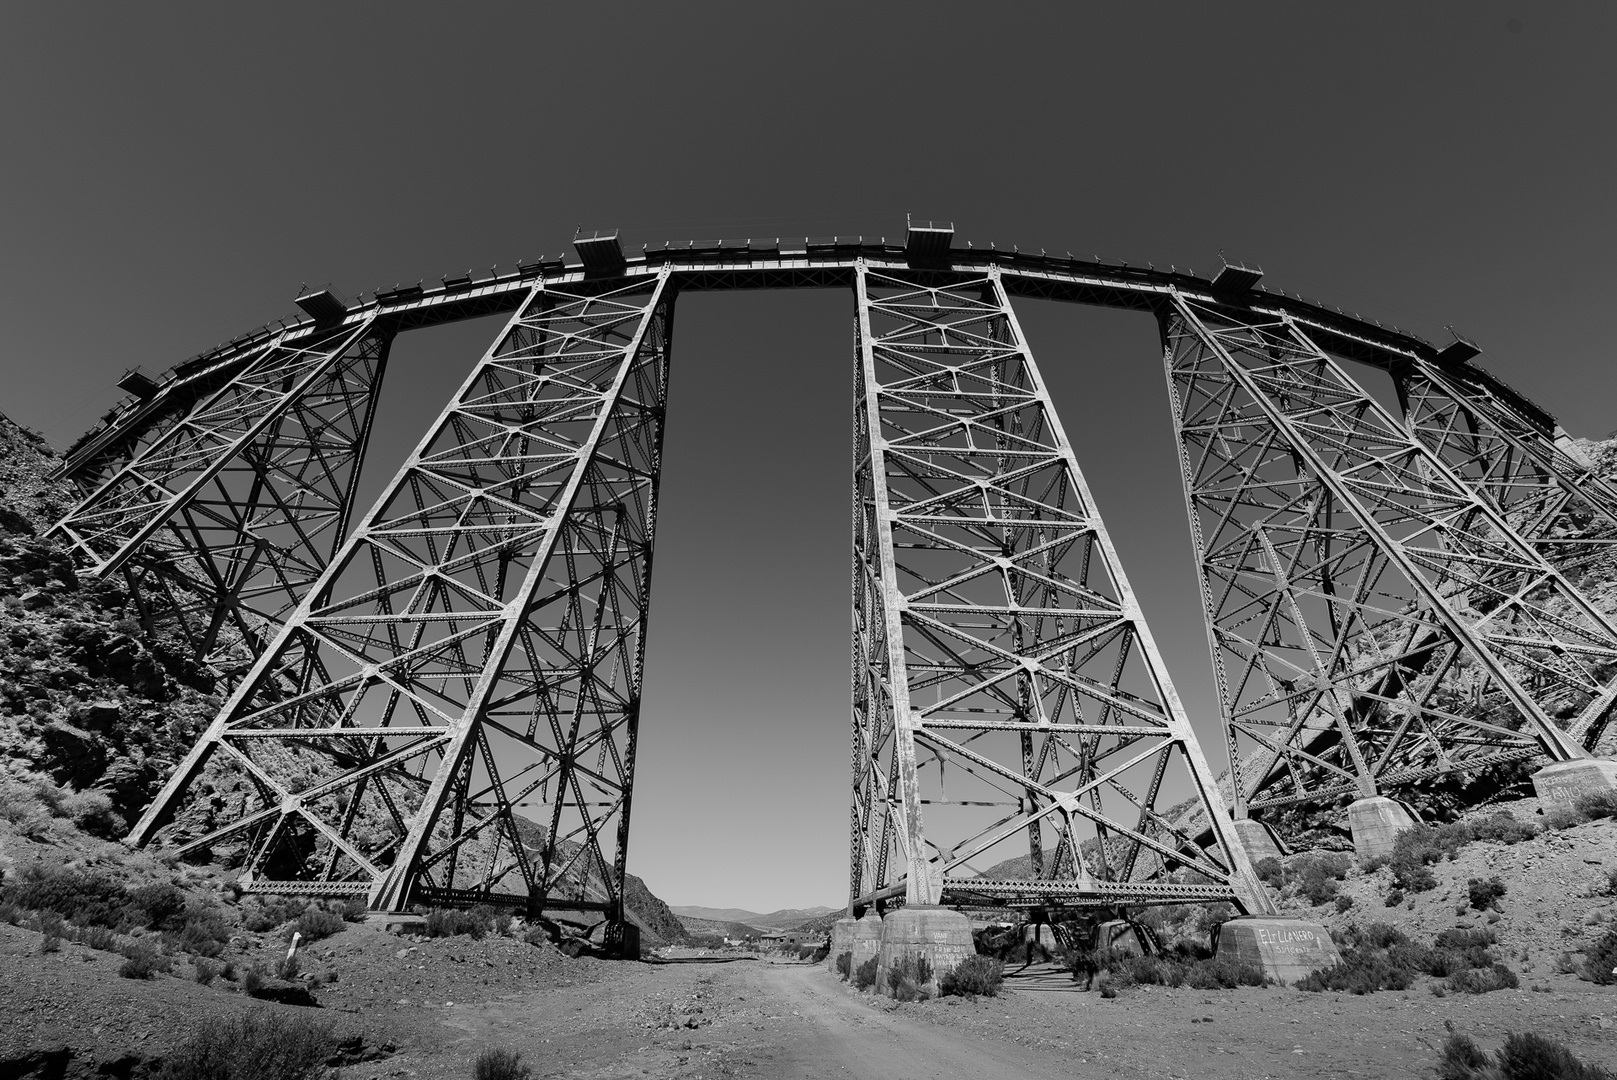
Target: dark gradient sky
{"x": 171, "y": 174}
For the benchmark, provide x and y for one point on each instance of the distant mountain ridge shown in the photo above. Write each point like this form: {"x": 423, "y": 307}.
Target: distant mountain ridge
{"x": 784, "y": 919}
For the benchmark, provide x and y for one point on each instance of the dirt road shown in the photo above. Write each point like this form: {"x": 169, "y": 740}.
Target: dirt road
{"x": 834, "y": 1034}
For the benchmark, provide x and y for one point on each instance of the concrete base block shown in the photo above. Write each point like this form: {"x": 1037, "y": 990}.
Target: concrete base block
{"x": 1564, "y": 782}
{"x": 1259, "y": 840}
{"x": 841, "y": 939}
{"x": 865, "y": 940}
{"x": 1119, "y": 936}
{"x": 1040, "y": 941}
{"x": 1376, "y": 823}
{"x": 397, "y": 922}
{"x": 941, "y": 935}
{"x": 1286, "y": 949}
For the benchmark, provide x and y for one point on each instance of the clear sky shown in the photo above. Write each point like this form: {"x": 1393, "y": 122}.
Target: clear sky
{"x": 170, "y": 174}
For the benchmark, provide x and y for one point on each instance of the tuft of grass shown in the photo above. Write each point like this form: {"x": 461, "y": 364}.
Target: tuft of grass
{"x": 974, "y": 975}
{"x": 205, "y": 971}
{"x": 498, "y": 1064}
{"x": 260, "y": 1044}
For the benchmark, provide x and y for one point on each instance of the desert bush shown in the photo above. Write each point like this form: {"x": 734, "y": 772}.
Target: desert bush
{"x": 1597, "y": 805}
{"x": 203, "y": 932}
{"x": 973, "y": 976}
{"x": 261, "y": 1045}
{"x": 500, "y": 1065}
{"x": 1504, "y": 827}
{"x": 1483, "y": 980}
{"x": 845, "y": 965}
{"x": 1395, "y": 896}
{"x": 252, "y": 980}
{"x": 1271, "y": 871}
{"x": 161, "y": 905}
{"x": 864, "y": 976}
{"x": 1343, "y": 904}
{"x": 908, "y": 978}
{"x": 1526, "y": 1056}
{"x": 1417, "y": 849}
{"x": 1610, "y": 886}
{"x": 84, "y": 897}
{"x": 352, "y": 909}
{"x": 1562, "y": 817}
{"x": 1600, "y": 960}
{"x": 286, "y": 968}
{"x": 1462, "y": 1059}
{"x": 315, "y": 924}
{"x": 141, "y": 961}
{"x": 452, "y": 922}
{"x": 268, "y": 912}
{"x": 1107, "y": 988}
{"x": 96, "y": 937}
{"x": 1484, "y": 893}
{"x": 205, "y": 970}
{"x": 1316, "y": 875}
{"x": 50, "y": 943}
{"x": 1222, "y": 973}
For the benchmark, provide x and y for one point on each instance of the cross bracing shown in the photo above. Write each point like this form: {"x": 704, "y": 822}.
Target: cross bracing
{"x": 1006, "y": 685}
{"x": 442, "y": 703}
{"x": 1362, "y": 599}
{"x": 221, "y": 514}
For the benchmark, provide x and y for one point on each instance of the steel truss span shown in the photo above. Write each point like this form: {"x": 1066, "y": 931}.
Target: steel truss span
{"x": 437, "y": 701}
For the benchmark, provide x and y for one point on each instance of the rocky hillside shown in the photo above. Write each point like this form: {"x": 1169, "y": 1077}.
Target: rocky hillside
{"x": 94, "y": 709}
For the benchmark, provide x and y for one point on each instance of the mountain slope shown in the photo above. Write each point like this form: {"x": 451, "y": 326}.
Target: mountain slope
{"x": 785, "y": 918}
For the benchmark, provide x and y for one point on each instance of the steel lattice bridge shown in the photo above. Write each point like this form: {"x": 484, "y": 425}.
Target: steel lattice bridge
{"x": 436, "y": 700}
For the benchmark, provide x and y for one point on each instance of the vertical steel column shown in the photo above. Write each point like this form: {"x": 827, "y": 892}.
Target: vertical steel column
{"x": 1005, "y": 676}
{"x": 223, "y": 520}
{"x": 1354, "y": 585}
{"x": 475, "y": 648}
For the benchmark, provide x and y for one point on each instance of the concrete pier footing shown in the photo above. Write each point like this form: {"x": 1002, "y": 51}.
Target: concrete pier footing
{"x": 940, "y": 934}
{"x": 1564, "y": 782}
{"x": 1119, "y": 936}
{"x": 841, "y": 939}
{"x": 1259, "y": 840}
{"x": 864, "y": 941}
{"x": 1286, "y": 949}
{"x": 1376, "y": 822}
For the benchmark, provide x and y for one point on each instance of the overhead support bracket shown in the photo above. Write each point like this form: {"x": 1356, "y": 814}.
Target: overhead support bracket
{"x": 1457, "y": 352}
{"x": 138, "y": 383}
{"x": 601, "y": 253}
{"x": 928, "y": 241}
{"x": 324, "y": 306}
{"x": 1235, "y": 281}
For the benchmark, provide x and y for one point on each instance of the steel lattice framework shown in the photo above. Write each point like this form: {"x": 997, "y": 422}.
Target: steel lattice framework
{"x": 440, "y": 704}
{"x": 1357, "y": 591}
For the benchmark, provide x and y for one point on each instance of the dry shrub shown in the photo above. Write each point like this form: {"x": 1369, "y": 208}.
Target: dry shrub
{"x": 496, "y": 1064}
{"x": 845, "y": 965}
{"x": 1524, "y": 1056}
{"x": 864, "y": 976}
{"x": 452, "y": 922}
{"x": 1485, "y": 893}
{"x": 258, "y": 1045}
{"x": 315, "y": 924}
{"x": 974, "y": 975}
{"x": 141, "y": 961}
{"x": 907, "y": 979}
{"x": 1600, "y": 960}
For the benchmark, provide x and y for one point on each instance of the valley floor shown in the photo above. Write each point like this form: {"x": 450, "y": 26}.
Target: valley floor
{"x": 443, "y": 1001}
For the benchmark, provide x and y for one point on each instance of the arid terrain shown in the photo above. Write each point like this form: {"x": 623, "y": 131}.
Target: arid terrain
{"x": 442, "y": 1001}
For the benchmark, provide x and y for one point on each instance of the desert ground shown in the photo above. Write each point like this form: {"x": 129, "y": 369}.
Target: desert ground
{"x": 425, "y": 1008}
